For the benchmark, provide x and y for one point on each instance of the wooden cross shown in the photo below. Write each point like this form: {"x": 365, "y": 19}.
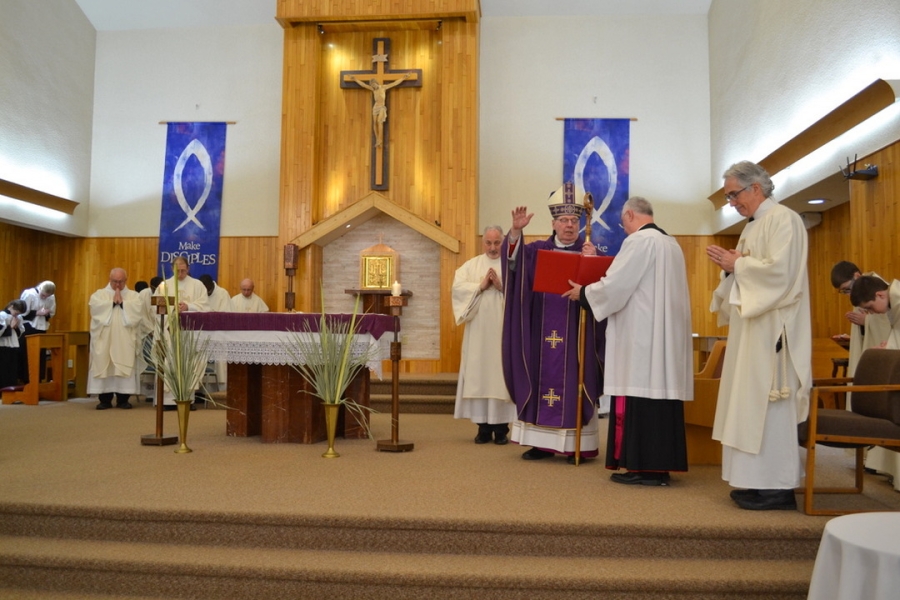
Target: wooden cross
{"x": 550, "y": 397}
{"x": 378, "y": 81}
{"x": 554, "y": 339}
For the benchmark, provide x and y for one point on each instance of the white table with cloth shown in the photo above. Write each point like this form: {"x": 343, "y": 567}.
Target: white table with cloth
{"x": 265, "y": 395}
{"x": 858, "y": 559}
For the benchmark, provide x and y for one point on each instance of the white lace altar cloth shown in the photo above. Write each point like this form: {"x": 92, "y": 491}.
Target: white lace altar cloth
{"x": 271, "y": 347}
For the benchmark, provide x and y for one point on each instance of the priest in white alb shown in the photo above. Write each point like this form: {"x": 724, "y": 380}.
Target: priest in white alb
{"x": 763, "y": 297}
{"x": 648, "y": 367}
{"x": 247, "y": 301}
{"x": 117, "y": 320}
{"x": 481, "y": 394}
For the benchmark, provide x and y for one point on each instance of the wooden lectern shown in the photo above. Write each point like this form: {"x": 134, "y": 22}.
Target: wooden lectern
{"x": 395, "y": 305}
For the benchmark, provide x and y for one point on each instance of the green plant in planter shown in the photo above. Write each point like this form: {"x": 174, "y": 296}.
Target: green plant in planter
{"x": 179, "y": 356}
{"x": 329, "y": 361}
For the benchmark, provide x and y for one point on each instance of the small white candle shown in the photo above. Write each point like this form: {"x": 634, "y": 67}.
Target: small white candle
{"x": 396, "y": 290}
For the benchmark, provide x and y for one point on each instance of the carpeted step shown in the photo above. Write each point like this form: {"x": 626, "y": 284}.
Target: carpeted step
{"x": 358, "y": 533}
{"x": 192, "y": 571}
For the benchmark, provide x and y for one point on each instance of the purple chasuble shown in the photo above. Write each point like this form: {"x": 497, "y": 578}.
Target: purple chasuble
{"x": 540, "y": 345}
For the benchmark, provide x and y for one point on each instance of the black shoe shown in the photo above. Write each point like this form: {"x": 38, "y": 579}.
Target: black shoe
{"x": 536, "y": 454}
{"x": 169, "y": 407}
{"x": 633, "y": 478}
{"x": 193, "y": 406}
{"x": 751, "y": 493}
{"x": 769, "y": 500}
{"x": 501, "y": 439}
{"x": 483, "y": 438}
{"x": 104, "y": 406}
{"x": 581, "y": 459}
{"x": 125, "y": 404}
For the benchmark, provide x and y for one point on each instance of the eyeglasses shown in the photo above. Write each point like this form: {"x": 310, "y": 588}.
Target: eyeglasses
{"x": 732, "y": 196}
{"x": 846, "y": 288}
{"x": 568, "y": 220}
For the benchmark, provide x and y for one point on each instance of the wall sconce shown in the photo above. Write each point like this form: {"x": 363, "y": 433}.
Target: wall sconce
{"x": 36, "y": 197}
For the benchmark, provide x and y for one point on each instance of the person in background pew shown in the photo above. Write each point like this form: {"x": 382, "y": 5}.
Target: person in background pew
{"x": 219, "y": 300}
{"x": 12, "y": 328}
{"x": 874, "y": 295}
{"x": 867, "y": 329}
{"x": 41, "y": 306}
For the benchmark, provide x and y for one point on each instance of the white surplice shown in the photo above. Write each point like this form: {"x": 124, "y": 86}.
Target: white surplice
{"x": 116, "y": 361}
{"x": 219, "y": 300}
{"x": 645, "y": 297}
{"x": 253, "y": 304}
{"x": 766, "y": 297}
{"x": 481, "y": 393}
{"x": 882, "y": 459}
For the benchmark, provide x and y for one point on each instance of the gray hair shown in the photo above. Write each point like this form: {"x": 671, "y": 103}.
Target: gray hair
{"x": 747, "y": 173}
{"x": 639, "y": 205}
{"x": 496, "y": 228}
{"x": 47, "y": 287}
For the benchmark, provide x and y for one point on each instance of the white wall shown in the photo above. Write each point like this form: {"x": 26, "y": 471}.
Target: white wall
{"x": 199, "y": 74}
{"x": 652, "y": 68}
{"x": 46, "y": 104}
{"x": 777, "y": 67}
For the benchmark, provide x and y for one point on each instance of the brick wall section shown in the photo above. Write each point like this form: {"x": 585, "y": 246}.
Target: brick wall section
{"x": 419, "y": 272}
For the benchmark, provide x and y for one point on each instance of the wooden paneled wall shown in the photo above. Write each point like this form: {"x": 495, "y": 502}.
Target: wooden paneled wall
{"x": 79, "y": 266}
{"x": 875, "y": 216}
{"x": 433, "y": 139}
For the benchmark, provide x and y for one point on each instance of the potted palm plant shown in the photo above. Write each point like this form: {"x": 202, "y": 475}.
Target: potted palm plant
{"x": 327, "y": 358}
{"x": 180, "y": 357}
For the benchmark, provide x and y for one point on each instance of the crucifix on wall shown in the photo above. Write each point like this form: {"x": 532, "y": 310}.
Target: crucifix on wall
{"x": 379, "y": 80}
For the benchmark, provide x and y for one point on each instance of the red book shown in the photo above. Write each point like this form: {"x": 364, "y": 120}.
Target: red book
{"x": 555, "y": 269}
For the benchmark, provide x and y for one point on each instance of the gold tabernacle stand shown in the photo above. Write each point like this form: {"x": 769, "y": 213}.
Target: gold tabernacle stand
{"x": 395, "y": 304}
{"x": 158, "y": 439}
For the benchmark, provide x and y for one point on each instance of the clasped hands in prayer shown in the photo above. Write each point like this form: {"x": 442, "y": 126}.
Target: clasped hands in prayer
{"x": 725, "y": 259}
{"x": 491, "y": 279}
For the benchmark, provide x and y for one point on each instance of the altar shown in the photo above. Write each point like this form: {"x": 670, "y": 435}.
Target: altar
{"x": 265, "y": 395}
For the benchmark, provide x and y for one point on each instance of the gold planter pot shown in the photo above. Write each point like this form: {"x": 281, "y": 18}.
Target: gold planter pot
{"x": 331, "y": 421}
{"x": 184, "y": 411}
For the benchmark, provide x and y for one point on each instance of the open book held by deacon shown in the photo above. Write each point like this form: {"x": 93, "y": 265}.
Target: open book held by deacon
{"x": 555, "y": 268}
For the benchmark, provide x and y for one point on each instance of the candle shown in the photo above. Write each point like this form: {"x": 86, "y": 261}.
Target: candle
{"x": 396, "y": 290}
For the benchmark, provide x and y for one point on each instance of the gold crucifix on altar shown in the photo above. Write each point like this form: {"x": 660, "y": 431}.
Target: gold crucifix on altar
{"x": 379, "y": 80}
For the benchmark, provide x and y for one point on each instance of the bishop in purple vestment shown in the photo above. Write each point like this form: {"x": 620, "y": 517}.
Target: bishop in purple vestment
{"x": 540, "y": 341}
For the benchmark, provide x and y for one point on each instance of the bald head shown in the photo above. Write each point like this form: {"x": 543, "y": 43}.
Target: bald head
{"x": 118, "y": 278}
{"x": 247, "y": 288}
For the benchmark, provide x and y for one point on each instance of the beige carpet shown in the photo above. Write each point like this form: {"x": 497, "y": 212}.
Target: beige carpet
{"x": 71, "y": 455}
{"x": 87, "y": 512}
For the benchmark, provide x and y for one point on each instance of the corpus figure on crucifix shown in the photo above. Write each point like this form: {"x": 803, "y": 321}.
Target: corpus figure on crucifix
{"x": 379, "y": 80}
{"x": 379, "y": 108}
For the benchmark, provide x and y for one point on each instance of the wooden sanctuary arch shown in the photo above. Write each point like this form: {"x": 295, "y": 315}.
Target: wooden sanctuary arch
{"x": 327, "y": 131}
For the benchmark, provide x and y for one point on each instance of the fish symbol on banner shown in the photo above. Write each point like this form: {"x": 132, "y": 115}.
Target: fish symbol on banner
{"x": 598, "y": 146}
{"x": 195, "y": 148}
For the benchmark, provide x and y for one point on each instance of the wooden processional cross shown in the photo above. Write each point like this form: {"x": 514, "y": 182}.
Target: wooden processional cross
{"x": 378, "y": 81}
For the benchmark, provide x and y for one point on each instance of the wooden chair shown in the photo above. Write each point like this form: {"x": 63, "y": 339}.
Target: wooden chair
{"x": 56, "y": 388}
{"x": 873, "y": 421}
{"x": 700, "y": 413}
